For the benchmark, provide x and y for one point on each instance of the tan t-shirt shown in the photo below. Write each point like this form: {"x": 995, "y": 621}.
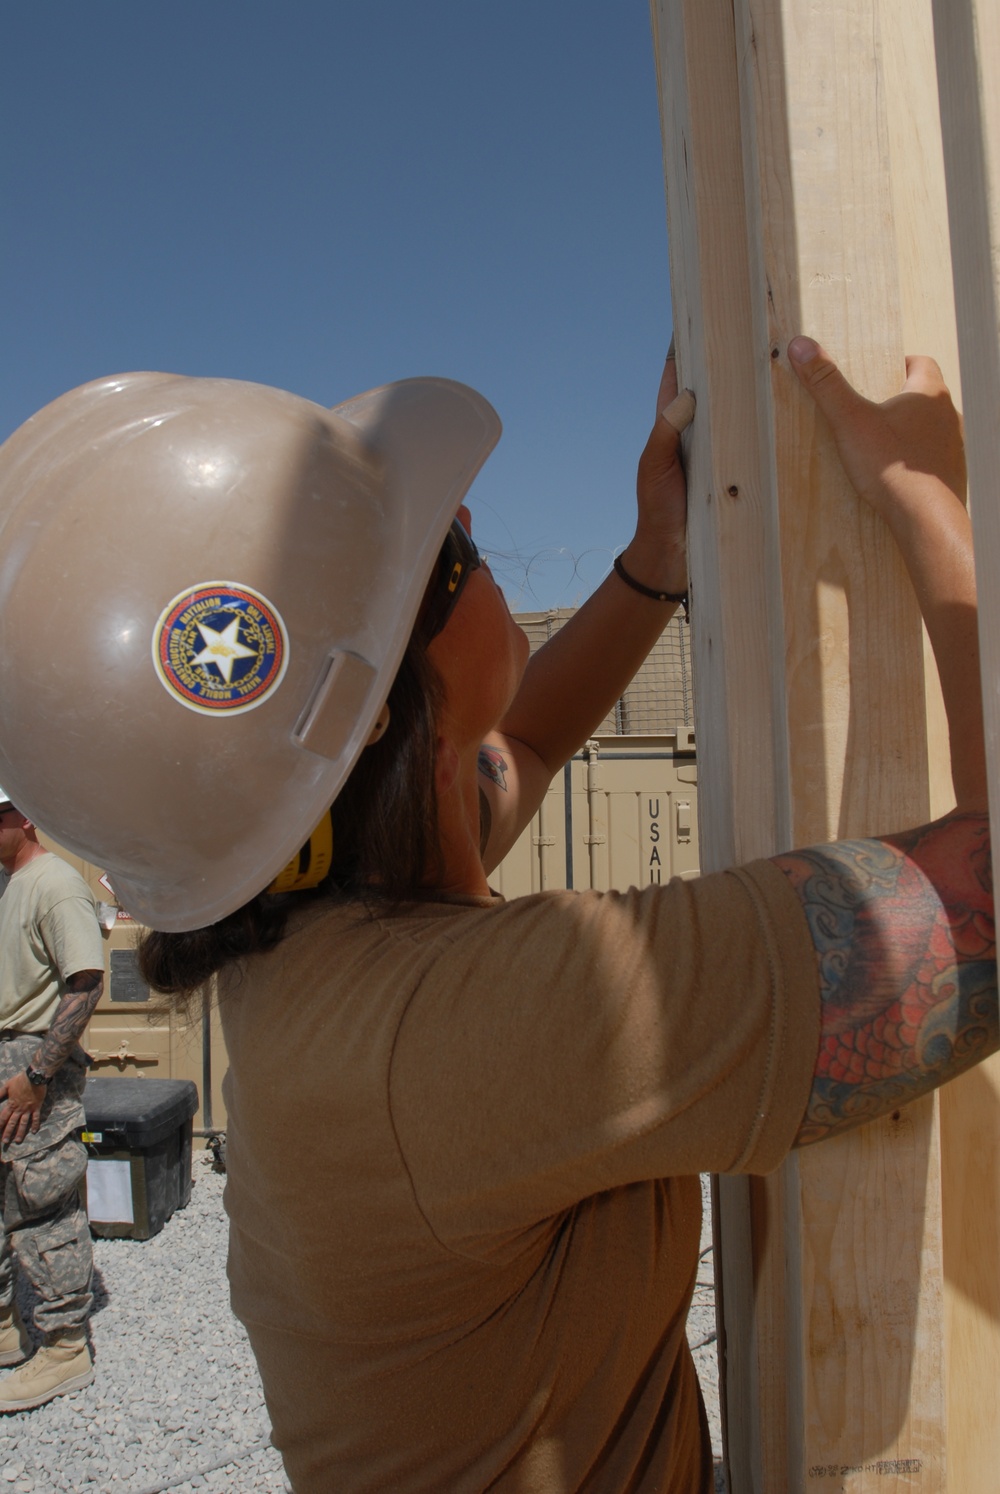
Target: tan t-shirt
{"x": 48, "y": 932}
{"x": 463, "y": 1152}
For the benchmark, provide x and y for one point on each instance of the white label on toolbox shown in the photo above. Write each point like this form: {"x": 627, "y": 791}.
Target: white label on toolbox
{"x": 109, "y": 1191}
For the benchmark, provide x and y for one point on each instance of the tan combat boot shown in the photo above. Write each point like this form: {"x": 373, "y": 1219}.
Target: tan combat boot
{"x": 61, "y": 1365}
{"x": 15, "y": 1345}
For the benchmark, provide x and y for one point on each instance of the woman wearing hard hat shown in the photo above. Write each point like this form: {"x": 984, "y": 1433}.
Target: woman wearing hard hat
{"x": 464, "y": 1134}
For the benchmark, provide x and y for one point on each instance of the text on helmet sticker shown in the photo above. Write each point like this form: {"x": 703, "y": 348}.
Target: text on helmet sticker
{"x": 220, "y": 647}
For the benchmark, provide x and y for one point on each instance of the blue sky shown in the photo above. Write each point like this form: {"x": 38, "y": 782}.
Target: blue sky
{"x": 330, "y": 194}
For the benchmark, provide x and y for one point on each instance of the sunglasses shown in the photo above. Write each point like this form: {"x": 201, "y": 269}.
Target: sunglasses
{"x": 458, "y": 559}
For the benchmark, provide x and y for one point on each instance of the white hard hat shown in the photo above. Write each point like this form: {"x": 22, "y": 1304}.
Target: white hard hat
{"x": 206, "y": 588}
{"x": 5, "y": 800}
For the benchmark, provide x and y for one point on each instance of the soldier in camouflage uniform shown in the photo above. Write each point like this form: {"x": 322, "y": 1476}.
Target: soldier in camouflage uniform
{"x": 51, "y": 978}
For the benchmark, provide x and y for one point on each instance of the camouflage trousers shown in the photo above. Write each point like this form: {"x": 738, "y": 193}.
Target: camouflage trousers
{"x": 42, "y": 1223}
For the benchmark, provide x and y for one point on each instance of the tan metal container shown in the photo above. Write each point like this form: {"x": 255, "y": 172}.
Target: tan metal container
{"x": 628, "y": 820}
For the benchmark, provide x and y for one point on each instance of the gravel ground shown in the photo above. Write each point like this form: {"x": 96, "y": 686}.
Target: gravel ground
{"x": 176, "y": 1403}
{"x": 702, "y": 1335}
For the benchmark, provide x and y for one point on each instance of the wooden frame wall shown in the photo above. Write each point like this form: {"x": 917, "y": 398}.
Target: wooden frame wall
{"x": 806, "y": 192}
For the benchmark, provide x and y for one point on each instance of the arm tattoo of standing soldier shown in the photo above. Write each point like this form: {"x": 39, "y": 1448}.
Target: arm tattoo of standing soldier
{"x": 83, "y": 992}
{"x": 905, "y": 951}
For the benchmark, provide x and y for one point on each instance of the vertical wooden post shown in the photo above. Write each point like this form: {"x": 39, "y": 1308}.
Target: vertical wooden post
{"x": 805, "y": 185}
{"x": 862, "y": 1223}
{"x": 968, "y": 55}
{"x": 737, "y": 638}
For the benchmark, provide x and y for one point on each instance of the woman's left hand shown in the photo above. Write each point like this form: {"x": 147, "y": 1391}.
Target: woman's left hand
{"x": 657, "y": 556}
{"x": 572, "y": 683}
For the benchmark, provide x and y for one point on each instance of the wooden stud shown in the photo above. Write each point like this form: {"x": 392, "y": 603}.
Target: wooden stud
{"x": 968, "y": 56}
{"x": 736, "y": 603}
{"x": 833, "y": 1272}
{"x": 861, "y": 1234}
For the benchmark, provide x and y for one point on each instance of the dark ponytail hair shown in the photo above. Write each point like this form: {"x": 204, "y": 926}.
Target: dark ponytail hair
{"x": 384, "y": 842}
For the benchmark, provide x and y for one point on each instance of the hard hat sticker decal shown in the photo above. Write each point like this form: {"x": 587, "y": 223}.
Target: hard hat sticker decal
{"x": 220, "y": 647}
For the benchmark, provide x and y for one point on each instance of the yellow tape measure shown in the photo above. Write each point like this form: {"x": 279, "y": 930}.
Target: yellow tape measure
{"x": 312, "y": 863}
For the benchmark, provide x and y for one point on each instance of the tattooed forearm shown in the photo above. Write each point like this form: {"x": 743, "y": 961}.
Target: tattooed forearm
{"x": 904, "y": 936}
{"x": 83, "y": 992}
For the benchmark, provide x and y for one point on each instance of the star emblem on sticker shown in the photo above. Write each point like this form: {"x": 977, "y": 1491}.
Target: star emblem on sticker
{"x": 222, "y": 649}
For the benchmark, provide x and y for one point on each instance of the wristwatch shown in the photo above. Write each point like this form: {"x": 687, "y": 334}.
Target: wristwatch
{"x": 34, "y": 1076}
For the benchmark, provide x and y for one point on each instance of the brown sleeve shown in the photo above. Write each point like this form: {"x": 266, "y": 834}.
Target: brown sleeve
{"x": 571, "y": 1043}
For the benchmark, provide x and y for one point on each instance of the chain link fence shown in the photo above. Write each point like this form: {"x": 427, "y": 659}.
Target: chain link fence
{"x": 659, "y": 699}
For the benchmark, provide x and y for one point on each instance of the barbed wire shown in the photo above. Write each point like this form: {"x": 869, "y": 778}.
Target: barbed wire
{"x": 550, "y": 577}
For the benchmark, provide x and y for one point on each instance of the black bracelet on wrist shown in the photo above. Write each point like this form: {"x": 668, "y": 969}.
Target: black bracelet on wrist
{"x": 647, "y": 591}
{"x": 35, "y": 1076}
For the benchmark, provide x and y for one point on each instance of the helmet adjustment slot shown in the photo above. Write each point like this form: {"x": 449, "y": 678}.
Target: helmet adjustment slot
{"x": 334, "y": 708}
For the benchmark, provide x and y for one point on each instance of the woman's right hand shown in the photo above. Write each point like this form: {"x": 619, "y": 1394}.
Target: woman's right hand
{"x": 887, "y": 449}
{"x": 906, "y": 458}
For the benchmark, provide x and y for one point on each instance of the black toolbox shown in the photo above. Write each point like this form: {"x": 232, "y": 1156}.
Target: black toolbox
{"x": 138, "y": 1140}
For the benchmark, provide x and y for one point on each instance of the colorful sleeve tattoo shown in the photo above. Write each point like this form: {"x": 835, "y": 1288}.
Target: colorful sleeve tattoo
{"x": 904, "y": 937}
